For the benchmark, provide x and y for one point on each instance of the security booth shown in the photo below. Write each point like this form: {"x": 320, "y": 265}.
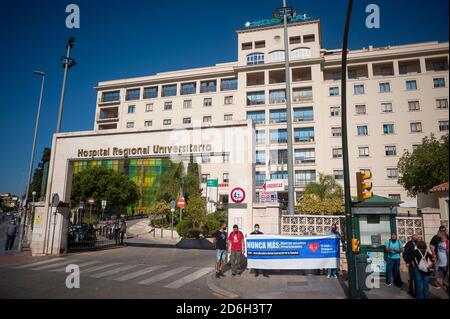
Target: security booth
{"x": 374, "y": 222}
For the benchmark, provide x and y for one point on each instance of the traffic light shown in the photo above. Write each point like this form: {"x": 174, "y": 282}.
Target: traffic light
{"x": 363, "y": 186}
{"x": 355, "y": 245}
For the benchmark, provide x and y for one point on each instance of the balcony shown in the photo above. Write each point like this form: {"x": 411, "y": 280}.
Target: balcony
{"x": 256, "y": 78}
{"x": 436, "y": 64}
{"x": 277, "y": 76}
{"x": 108, "y": 98}
{"x": 358, "y": 72}
{"x": 109, "y": 117}
{"x": 383, "y": 69}
{"x": 409, "y": 67}
{"x": 302, "y": 95}
{"x": 301, "y": 74}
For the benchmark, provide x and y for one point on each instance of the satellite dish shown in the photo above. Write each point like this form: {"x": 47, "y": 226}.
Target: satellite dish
{"x": 247, "y": 24}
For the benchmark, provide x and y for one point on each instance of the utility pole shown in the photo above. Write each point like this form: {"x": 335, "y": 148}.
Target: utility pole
{"x": 347, "y": 194}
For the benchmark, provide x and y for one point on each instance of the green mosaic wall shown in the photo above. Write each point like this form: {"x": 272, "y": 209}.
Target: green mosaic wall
{"x": 145, "y": 173}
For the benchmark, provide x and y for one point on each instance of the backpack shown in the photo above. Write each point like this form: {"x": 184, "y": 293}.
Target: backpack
{"x": 423, "y": 263}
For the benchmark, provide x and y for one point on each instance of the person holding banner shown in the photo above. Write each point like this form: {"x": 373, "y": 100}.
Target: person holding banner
{"x": 236, "y": 247}
{"x": 220, "y": 243}
{"x": 258, "y": 232}
{"x": 332, "y": 272}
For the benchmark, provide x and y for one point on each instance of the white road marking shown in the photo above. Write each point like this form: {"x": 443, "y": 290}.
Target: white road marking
{"x": 187, "y": 279}
{"x": 63, "y": 263}
{"x": 79, "y": 265}
{"x": 39, "y": 263}
{"x": 114, "y": 271}
{"x": 162, "y": 276}
{"x": 92, "y": 269}
{"x": 138, "y": 273}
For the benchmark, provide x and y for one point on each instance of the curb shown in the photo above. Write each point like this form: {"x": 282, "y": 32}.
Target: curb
{"x": 215, "y": 288}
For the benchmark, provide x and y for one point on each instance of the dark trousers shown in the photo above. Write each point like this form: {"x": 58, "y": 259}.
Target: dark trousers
{"x": 411, "y": 280}
{"x": 422, "y": 282}
{"x": 121, "y": 237}
{"x": 236, "y": 260}
{"x": 9, "y": 242}
{"x": 392, "y": 270}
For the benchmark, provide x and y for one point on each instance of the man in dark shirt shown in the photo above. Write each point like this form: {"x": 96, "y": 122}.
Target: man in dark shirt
{"x": 408, "y": 253}
{"x": 258, "y": 232}
{"x": 220, "y": 243}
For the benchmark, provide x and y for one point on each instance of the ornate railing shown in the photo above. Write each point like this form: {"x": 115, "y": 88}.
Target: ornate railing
{"x": 310, "y": 224}
{"x": 407, "y": 226}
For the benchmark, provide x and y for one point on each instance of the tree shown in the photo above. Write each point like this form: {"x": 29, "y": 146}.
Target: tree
{"x": 196, "y": 211}
{"x": 191, "y": 184}
{"x": 170, "y": 183}
{"x": 162, "y": 209}
{"x": 314, "y": 205}
{"x": 327, "y": 187}
{"x": 425, "y": 167}
{"x": 36, "y": 182}
{"x": 100, "y": 184}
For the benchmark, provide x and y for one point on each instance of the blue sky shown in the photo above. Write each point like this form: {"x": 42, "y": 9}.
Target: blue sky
{"x": 130, "y": 38}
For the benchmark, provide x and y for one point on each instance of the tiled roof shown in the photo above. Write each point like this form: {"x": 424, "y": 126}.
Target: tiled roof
{"x": 440, "y": 188}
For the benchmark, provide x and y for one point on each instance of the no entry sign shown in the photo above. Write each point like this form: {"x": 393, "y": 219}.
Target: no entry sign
{"x": 180, "y": 203}
{"x": 237, "y": 195}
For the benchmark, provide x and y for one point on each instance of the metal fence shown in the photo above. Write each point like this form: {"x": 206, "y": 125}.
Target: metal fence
{"x": 310, "y": 224}
{"x": 87, "y": 237}
{"x": 407, "y": 226}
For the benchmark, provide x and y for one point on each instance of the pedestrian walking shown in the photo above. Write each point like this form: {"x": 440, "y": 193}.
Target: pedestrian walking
{"x": 422, "y": 264}
{"x": 11, "y": 233}
{"x": 123, "y": 231}
{"x": 434, "y": 243}
{"x": 256, "y": 231}
{"x": 220, "y": 244}
{"x": 408, "y": 252}
{"x": 236, "y": 247}
{"x": 394, "y": 248}
{"x": 332, "y": 272}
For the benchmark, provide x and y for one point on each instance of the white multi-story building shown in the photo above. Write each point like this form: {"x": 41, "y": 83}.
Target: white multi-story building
{"x": 396, "y": 96}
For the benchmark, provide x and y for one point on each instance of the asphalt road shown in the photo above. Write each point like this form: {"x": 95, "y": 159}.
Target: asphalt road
{"x": 139, "y": 270}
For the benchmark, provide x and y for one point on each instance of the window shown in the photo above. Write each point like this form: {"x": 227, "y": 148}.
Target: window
{"x": 131, "y": 108}
{"x": 442, "y": 103}
{"x": 387, "y": 70}
{"x": 439, "y": 66}
{"x": 360, "y": 109}
{"x": 278, "y": 175}
{"x": 260, "y": 178}
{"x": 258, "y": 117}
{"x": 338, "y": 174}
{"x": 392, "y": 172}
{"x": 295, "y": 40}
{"x": 206, "y": 158}
{"x": 337, "y": 152}
{"x": 300, "y": 53}
{"x": 169, "y": 90}
{"x": 260, "y": 137}
{"x": 207, "y": 101}
{"x": 188, "y": 88}
{"x": 187, "y": 104}
{"x": 388, "y": 128}
{"x": 336, "y": 76}
{"x": 386, "y": 107}
{"x": 305, "y": 177}
{"x": 302, "y": 94}
{"x": 148, "y": 123}
{"x": 133, "y": 94}
{"x": 385, "y": 87}
{"x": 260, "y": 44}
{"x": 275, "y": 56}
{"x": 255, "y": 58}
{"x": 186, "y": 120}
{"x": 363, "y": 151}
{"x": 225, "y": 177}
{"x": 395, "y": 196}
{"x": 228, "y": 117}
{"x": 277, "y": 96}
{"x": 334, "y": 91}
{"x": 225, "y": 158}
{"x": 443, "y": 126}
{"x": 413, "y": 106}
{"x": 278, "y": 116}
{"x": 150, "y": 92}
{"x": 309, "y": 38}
{"x": 415, "y": 146}
{"x": 335, "y": 111}
{"x": 205, "y": 178}
{"x": 390, "y": 150}
{"x": 130, "y": 124}
{"x": 352, "y": 74}
{"x": 278, "y": 156}
{"x": 304, "y": 134}
{"x": 255, "y": 98}
{"x": 362, "y": 130}
{"x": 167, "y": 121}
{"x": 149, "y": 107}
{"x": 306, "y": 155}
{"x": 411, "y": 85}
{"x": 278, "y": 136}
{"x": 416, "y": 127}
{"x": 167, "y": 106}
{"x": 439, "y": 82}
{"x": 228, "y": 84}
{"x": 111, "y": 96}
{"x": 260, "y": 158}
{"x": 227, "y": 100}
{"x": 359, "y": 89}
{"x": 303, "y": 114}
{"x": 208, "y": 86}
{"x": 247, "y": 46}
{"x": 336, "y": 131}
{"x": 207, "y": 119}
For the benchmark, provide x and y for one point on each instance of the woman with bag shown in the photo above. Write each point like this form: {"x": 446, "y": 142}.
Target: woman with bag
{"x": 422, "y": 263}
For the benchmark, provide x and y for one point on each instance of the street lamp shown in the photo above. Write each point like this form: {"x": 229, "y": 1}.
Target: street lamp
{"x": 42, "y": 74}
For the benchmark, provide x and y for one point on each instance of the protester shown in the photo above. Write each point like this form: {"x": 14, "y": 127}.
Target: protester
{"x": 332, "y": 272}
{"x": 433, "y": 245}
{"x": 408, "y": 252}
{"x": 236, "y": 247}
{"x": 256, "y": 231}
{"x": 394, "y": 247}
{"x": 11, "y": 233}
{"x": 422, "y": 263}
{"x": 441, "y": 270}
{"x": 123, "y": 231}
{"x": 220, "y": 244}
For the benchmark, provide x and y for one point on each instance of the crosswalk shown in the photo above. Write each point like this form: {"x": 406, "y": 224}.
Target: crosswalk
{"x": 174, "y": 277}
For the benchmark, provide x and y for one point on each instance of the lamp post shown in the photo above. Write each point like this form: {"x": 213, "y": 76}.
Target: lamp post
{"x": 347, "y": 194}
{"x": 42, "y": 74}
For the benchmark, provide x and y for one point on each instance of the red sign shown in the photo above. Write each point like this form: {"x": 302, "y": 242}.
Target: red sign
{"x": 180, "y": 202}
{"x": 91, "y": 201}
{"x": 237, "y": 195}
{"x": 223, "y": 185}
